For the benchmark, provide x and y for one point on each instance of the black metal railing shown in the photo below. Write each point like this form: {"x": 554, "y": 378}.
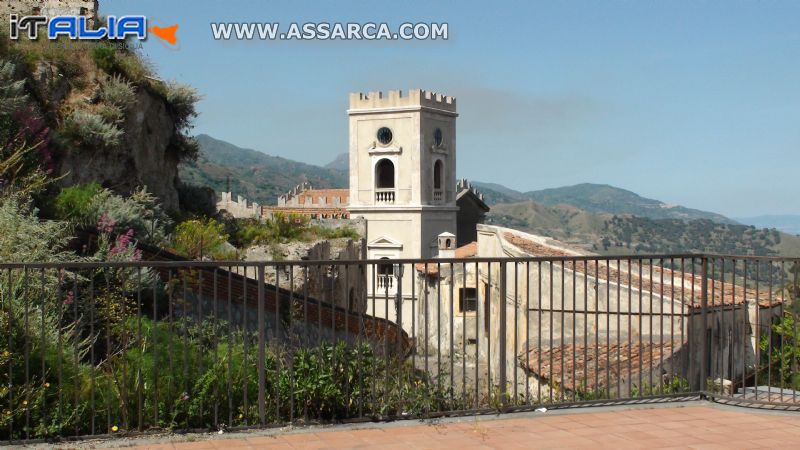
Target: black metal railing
{"x": 98, "y": 348}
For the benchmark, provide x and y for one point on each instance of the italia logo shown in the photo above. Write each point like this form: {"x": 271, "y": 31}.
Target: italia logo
{"x": 78, "y": 27}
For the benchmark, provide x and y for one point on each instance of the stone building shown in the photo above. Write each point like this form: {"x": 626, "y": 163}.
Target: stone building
{"x": 402, "y": 180}
{"x": 612, "y": 325}
{"x": 312, "y": 203}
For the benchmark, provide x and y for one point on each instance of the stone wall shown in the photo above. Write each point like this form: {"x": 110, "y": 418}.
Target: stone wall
{"x": 239, "y": 208}
{"x": 49, "y": 8}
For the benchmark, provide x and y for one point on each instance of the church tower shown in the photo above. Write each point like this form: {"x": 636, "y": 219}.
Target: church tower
{"x": 402, "y": 175}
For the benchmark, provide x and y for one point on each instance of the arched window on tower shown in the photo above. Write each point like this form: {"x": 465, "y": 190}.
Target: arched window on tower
{"x": 438, "y": 174}
{"x": 384, "y": 181}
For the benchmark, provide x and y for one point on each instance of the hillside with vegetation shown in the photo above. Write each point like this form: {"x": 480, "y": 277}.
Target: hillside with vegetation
{"x": 255, "y": 175}
{"x": 627, "y": 234}
{"x": 599, "y": 199}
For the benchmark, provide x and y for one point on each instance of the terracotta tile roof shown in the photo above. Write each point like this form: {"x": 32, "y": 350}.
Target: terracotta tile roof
{"x": 682, "y": 286}
{"x": 465, "y": 251}
{"x": 594, "y": 366}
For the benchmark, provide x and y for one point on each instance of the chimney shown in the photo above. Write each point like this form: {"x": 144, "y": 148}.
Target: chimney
{"x": 447, "y": 245}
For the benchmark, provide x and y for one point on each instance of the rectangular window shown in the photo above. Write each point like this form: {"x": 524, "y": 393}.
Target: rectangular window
{"x": 467, "y": 299}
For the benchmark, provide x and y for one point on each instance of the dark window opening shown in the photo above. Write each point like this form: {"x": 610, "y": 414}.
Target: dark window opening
{"x": 467, "y": 299}
{"x": 385, "y": 269}
{"x": 384, "y": 135}
{"x": 384, "y": 174}
{"x": 437, "y": 175}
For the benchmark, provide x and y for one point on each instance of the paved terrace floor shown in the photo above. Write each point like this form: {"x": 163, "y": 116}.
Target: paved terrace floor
{"x": 697, "y": 425}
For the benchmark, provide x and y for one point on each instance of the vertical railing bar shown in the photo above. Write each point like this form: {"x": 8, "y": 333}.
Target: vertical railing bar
{"x": 139, "y": 381}
{"x": 539, "y": 333}
{"x": 200, "y": 320}
{"x": 527, "y": 327}
{"x": 585, "y": 322}
{"x": 780, "y": 318}
{"x": 375, "y": 325}
{"x": 346, "y": 301}
{"x": 574, "y": 264}
{"x": 26, "y": 350}
{"x": 276, "y": 333}
{"x": 262, "y": 353}
{"x": 414, "y": 312}
{"x": 704, "y": 313}
{"x": 10, "y": 314}
{"x": 155, "y": 347}
{"x": 185, "y": 320}
{"x": 563, "y": 323}
{"x": 245, "y": 416}
{"x": 215, "y": 343}
{"x": 487, "y": 317}
{"x": 452, "y": 336}
{"x": 757, "y": 330}
{"x": 306, "y": 324}
{"x": 550, "y": 300}
{"x": 673, "y": 368}
{"x": 744, "y": 327}
{"x": 690, "y": 335}
{"x": 229, "y": 356}
{"x": 503, "y": 333}
{"x": 769, "y": 330}
{"x": 516, "y": 328}
{"x": 385, "y": 337}
{"x": 608, "y": 325}
{"x": 289, "y": 329}
{"x": 641, "y": 330}
{"x": 597, "y": 323}
{"x": 712, "y": 362}
{"x": 477, "y": 333}
{"x": 684, "y": 338}
{"x": 438, "y": 333}
{"x": 463, "y": 330}
{"x": 735, "y": 330}
{"x": 630, "y": 326}
{"x": 91, "y": 354}
{"x": 796, "y": 294}
{"x": 619, "y": 324}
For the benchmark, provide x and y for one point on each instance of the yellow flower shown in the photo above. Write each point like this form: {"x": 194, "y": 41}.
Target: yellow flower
{"x": 47, "y": 385}
{"x": 24, "y": 403}
{"x": 115, "y": 428}
{"x": 5, "y": 353}
{"x": 241, "y": 415}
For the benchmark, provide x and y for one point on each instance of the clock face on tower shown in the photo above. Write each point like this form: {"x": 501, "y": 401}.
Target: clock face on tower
{"x": 437, "y": 137}
{"x": 384, "y": 135}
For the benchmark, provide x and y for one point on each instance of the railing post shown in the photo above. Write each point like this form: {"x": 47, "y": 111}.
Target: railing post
{"x": 502, "y": 336}
{"x": 398, "y": 305}
{"x": 704, "y": 329}
{"x": 262, "y": 414}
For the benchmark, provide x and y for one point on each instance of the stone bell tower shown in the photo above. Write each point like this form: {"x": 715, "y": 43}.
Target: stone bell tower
{"x": 403, "y": 174}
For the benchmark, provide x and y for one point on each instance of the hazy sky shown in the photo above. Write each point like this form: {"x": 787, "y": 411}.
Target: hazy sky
{"x": 694, "y": 102}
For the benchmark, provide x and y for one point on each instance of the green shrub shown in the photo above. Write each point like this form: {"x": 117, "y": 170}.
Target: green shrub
{"x": 73, "y": 202}
{"x": 91, "y": 129}
{"x": 199, "y": 239}
{"x": 105, "y": 57}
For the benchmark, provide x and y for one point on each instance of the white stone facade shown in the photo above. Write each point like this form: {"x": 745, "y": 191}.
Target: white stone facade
{"x": 402, "y": 181}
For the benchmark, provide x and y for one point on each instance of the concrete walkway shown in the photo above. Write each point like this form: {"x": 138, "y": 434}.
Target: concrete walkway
{"x": 691, "y": 425}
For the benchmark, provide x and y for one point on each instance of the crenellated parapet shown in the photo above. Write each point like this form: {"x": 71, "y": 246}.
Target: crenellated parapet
{"x": 414, "y": 98}
{"x": 463, "y": 184}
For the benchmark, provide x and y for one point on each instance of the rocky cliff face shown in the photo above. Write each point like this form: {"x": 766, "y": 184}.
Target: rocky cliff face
{"x": 144, "y": 157}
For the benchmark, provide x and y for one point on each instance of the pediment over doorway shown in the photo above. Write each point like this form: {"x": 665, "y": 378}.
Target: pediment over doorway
{"x": 385, "y": 242}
